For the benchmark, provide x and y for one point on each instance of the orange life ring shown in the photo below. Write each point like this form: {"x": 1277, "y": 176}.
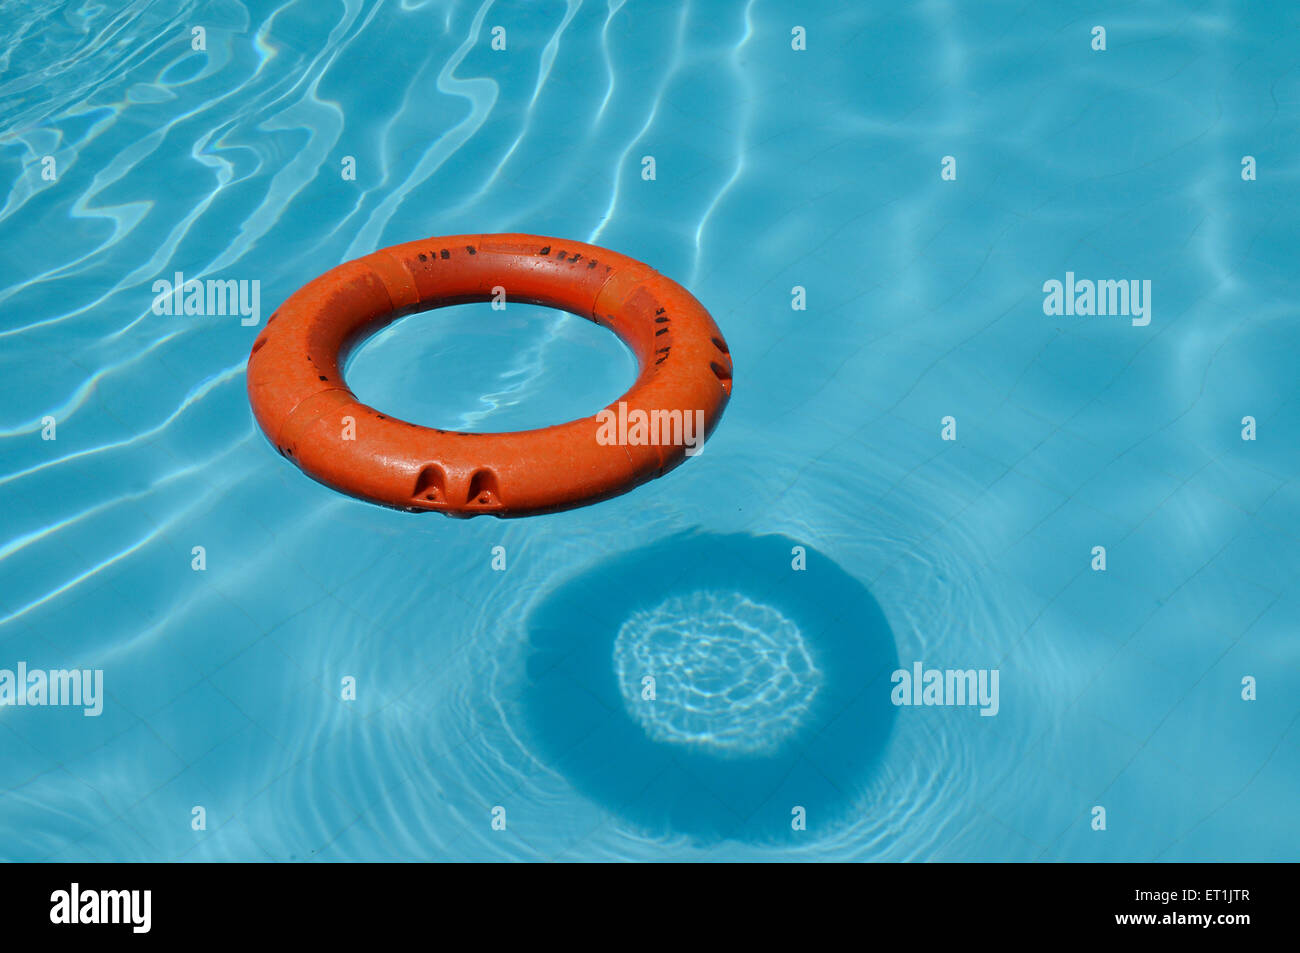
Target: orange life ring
{"x": 296, "y": 387}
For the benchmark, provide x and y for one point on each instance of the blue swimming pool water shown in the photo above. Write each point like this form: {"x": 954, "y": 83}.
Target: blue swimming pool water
{"x": 517, "y": 695}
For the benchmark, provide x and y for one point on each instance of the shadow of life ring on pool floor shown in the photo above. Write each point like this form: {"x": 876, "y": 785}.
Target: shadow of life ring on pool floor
{"x": 702, "y": 686}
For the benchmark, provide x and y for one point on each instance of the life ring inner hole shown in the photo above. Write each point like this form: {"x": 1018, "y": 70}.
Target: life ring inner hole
{"x": 471, "y": 368}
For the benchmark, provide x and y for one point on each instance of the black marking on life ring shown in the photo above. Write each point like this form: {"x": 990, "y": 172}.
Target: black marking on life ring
{"x": 471, "y": 249}
{"x": 660, "y": 320}
{"x": 591, "y": 263}
{"x": 660, "y": 310}
{"x": 661, "y": 331}
{"x": 324, "y": 378}
{"x": 423, "y": 257}
{"x": 545, "y": 251}
{"x": 445, "y": 253}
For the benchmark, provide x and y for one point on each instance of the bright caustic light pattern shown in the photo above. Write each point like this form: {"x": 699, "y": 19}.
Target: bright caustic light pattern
{"x": 716, "y": 669}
